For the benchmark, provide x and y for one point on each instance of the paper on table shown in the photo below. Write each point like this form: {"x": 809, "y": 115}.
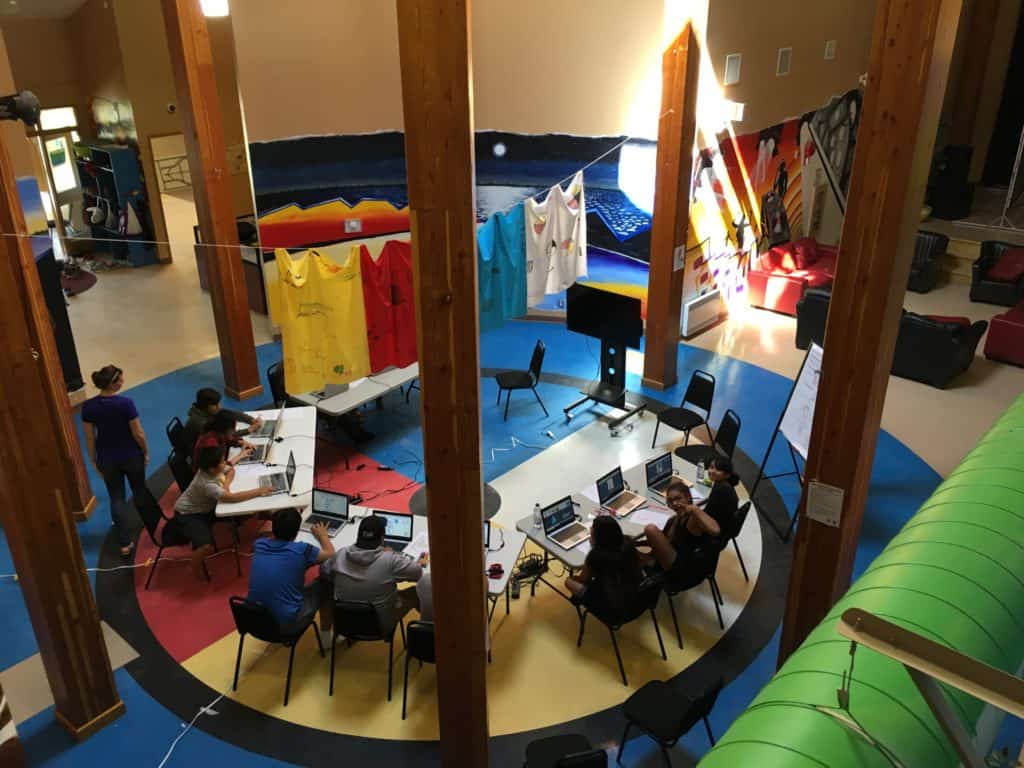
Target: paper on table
{"x": 583, "y": 547}
{"x": 649, "y": 517}
{"x": 417, "y": 546}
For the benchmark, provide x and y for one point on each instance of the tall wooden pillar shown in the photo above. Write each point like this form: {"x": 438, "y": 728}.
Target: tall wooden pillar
{"x": 434, "y": 47}
{"x": 40, "y": 468}
{"x": 12, "y": 754}
{"x": 907, "y": 73}
{"x": 195, "y": 78}
{"x": 677, "y": 126}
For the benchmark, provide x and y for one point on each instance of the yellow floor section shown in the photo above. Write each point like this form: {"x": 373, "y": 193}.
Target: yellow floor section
{"x": 538, "y": 677}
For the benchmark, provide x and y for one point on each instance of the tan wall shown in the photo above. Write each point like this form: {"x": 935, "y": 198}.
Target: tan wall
{"x": 757, "y": 30}
{"x": 18, "y": 146}
{"x": 44, "y": 61}
{"x": 320, "y": 67}
{"x": 98, "y": 60}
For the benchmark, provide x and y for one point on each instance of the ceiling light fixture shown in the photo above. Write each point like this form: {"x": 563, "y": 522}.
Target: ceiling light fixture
{"x": 214, "y": 8}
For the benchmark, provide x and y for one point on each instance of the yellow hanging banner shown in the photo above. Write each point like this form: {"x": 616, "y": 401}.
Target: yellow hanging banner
{"x": 323, "y": 322}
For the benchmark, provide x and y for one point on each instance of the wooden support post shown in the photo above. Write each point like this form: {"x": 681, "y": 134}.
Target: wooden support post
{"x": 42, "y": 481}
{"x": 195, "y": 78}
{"x": 12, "y": 754}
{"x": 977, "y": 43}
{"x": 911, "y": 51}
{"x": 677, "y": 126}
{"x": 434, "y": 48}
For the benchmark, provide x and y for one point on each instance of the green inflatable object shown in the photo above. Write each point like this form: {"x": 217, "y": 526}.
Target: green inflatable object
{"x": 952, "y": 574}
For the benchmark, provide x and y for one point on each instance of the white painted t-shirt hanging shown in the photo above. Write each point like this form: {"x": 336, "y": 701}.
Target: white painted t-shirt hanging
{"x": 556, "y": 241}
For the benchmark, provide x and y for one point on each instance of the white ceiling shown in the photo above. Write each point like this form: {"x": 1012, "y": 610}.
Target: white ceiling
{"x": 39, "y": 9}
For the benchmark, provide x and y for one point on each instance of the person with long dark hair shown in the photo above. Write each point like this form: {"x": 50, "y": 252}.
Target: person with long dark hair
{"x": 116, "y": 445}
{"x": 722, "y": 503}
{"x": 220, "y": 433}
{"x": 682, "y": 548}
{"x": 611, "y": 574}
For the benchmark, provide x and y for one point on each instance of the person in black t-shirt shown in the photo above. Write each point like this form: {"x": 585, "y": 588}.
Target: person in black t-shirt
{"x": 722, "y": 502}
{"x": 684, "y": 548}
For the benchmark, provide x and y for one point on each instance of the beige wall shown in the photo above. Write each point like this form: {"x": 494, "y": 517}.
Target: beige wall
{"x": 574, "y": 66}
{"x": 757, "y": 30}
{"x": 18, "y": 146}
{"x": 97, "y": 56}
{"x": 43, "y": 60}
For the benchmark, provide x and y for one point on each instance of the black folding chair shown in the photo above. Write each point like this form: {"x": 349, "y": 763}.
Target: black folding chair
{"x": 706, "y": 572}
{"x": 512, "y": 380}
{"x": 570, "y": 750}
{"x": 253, "y": 619}
{"x": 181, "y": 469}
{"x": 666, "y": 715}
{"x": 169, "y": 534}
{"x": 730, "y": 534}
{"x": 359, "y": 621}
{"x": 645, "y": 602}
{"x": 724, "y": 443}
{"x": 176, "y": 436}
{"x": 275, "y": 377}
{"x": 419, "y": 645}
{"x": 700, "y": 394}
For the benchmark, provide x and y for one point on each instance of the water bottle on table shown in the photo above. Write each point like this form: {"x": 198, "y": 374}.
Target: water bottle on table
{"x": 536, "y": 515}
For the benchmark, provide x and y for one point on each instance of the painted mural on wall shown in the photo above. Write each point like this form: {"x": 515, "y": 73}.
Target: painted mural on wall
{"x": 748, "y": 192}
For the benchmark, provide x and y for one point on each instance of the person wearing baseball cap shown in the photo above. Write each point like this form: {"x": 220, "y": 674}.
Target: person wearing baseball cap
{"x": 369, "y": 572}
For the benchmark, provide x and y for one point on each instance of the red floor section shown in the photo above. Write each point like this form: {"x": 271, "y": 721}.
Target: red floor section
{"x": 186, "y": 615}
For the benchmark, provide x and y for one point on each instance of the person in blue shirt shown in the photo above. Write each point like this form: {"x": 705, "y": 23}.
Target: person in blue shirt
{"x": 116, "y": 445}
{"x": 279, "y": 564}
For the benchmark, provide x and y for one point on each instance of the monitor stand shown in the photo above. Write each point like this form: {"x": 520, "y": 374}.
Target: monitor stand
{"x": 611, "y": 389}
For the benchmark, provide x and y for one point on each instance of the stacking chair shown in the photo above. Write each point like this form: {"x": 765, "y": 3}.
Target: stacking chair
{"x": 176, "y": 436}
{"x": 359, "y": 621}
{"x": 181, "y": 469}
{"x": 511, "y": 380}
{"x": 699, "y": 576}
{"x": 253, "y": 619}
{"x": 733, "y": 531}
{"x": 700, "y": 393}
{"x": 666, "y": 715}
{"x": 275, "y": 376}
{"x": 724, "y": 443}
{"x": 569, "y": 751}
{"x": 168, "y": 535}
{"x": 419, "y": 645}
{"x": 645, "y": 602}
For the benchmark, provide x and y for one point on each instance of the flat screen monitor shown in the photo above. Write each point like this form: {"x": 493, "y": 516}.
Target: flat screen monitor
{"x": 604, "y": 315}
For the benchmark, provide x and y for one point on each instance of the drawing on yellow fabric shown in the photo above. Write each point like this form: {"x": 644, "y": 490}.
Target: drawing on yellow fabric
{"x": 339, "y": 369}
{"x": 311, "y": 309}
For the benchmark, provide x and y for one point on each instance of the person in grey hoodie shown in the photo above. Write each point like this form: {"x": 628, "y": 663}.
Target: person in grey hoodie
{"x": 367, "y": 571}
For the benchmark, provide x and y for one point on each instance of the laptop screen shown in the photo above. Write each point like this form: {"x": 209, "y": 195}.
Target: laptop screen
{"x": 278, "y": 423}
{"x": 330, "y": 503}
{"x": 487, "y": 534}
{"x": 557, "y": 515}
{"x": 659, "y": 469}
{"x": 398, "y": 527}
{"x": 290, "y": 471}
{"x": 610, "y": 486}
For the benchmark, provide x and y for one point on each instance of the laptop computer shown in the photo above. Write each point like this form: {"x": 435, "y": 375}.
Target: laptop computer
{"x": 659, "y": 473}
{"x": 261, "y": 452}
{"x": 561, "y": 525}
{"x": 398, "y": 530}
{"x": 613, "y": 496}
{"x": 280, "y": 482}
{"x": 269, "y": 427}
{"x": 329, "y": 508}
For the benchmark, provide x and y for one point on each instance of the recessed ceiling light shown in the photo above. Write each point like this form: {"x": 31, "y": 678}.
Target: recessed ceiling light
{"x": 214, "y": 8}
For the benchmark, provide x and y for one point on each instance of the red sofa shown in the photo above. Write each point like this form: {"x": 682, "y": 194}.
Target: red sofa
{"x": 779, "y": 278}
{"x": 1005, "y": 340}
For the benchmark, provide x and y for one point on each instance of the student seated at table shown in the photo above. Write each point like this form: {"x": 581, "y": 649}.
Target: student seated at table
{"x": 279, "y": 564}
{"x": 612, "y": 571}
{"x": 722, "y": 503}
{"x": 206, "y": 406}
{"x": 195, "y": 508}
{"x": 680, "y": 549}
{"x": 220, "y": 433}
{"x": 369, "y": 572}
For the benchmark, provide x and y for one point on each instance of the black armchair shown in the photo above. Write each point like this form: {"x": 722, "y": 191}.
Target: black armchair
{"x": 929, "y": 248}
{"x": 934, "y": 352}
{"x": 990, "y": 289}
{"x": 811, "y": 316}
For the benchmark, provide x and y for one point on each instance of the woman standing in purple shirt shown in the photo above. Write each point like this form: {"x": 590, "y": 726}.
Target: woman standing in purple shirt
{"x": 116, "y": 445}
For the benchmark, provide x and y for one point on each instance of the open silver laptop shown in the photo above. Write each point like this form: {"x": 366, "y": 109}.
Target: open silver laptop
{"x": 659, "y": 474}
{"x": 280, "y": 482}
{"x": 261, "y": 452}
{"x": 270, "y": 427}
{"x": 613, "y": 496}
{"x": 329, "y": 508}
{"x": 561, "y": 525}
{"x": 397, "y": 529}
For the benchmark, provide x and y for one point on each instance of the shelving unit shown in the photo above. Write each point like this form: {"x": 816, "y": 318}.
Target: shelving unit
{"x": 110, "y": 178}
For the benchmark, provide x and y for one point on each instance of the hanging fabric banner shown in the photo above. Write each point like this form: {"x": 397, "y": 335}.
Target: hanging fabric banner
{"x": 323, "y": 322}
{"x": 403, "y": 300}
{"x": 501, "y": 261}
{"x": 380, "y": 317}
{"x": 556, "y": 240}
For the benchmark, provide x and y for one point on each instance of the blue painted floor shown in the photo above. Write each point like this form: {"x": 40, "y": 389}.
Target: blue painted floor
{"x": 900, "y": 482}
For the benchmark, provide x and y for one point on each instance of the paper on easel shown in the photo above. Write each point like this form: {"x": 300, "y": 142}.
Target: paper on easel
{"x": 799, "y": 416}
{"x": 419, "y": 544}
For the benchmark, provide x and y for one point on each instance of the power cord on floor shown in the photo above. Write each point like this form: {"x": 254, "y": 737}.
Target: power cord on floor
{"x": 13, "y": 577}
{"x": 516, "y": 443}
